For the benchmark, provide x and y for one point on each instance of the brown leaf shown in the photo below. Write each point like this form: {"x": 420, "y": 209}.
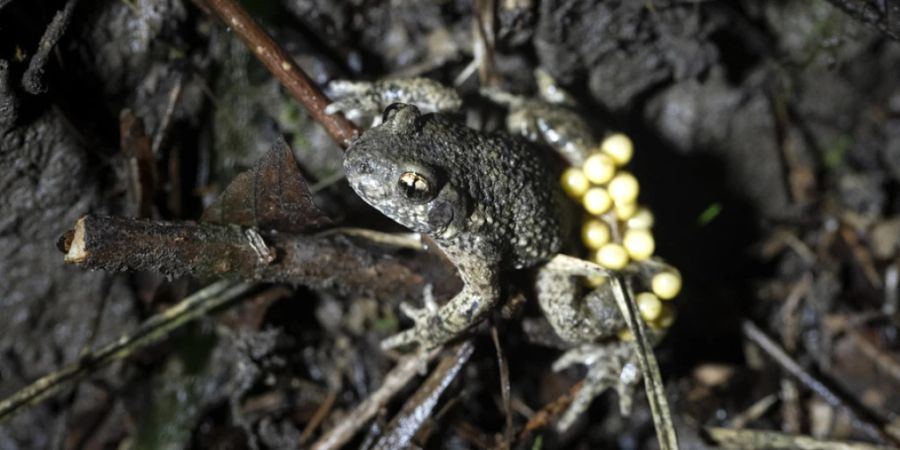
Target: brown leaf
{"x": 271, "y": 195}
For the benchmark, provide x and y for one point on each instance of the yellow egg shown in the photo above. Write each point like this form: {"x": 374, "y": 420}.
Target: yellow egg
{"x": 665, "y": 319}
{"x": 619, "y": 147}
{"x": 612, "y": 256}
{"x": 594, "y": 233}
{"x": 596, "y": 200}
{"x": 623, "y": 188}
{"x": 626, "y": 335}
{"x": 599, "y": 168}
{"x": 595, "y": 281}
{"x": 639, "y": 244}
{"x": 574, "y": 182}
{"x": 649, "y": 306}
{"x": 666, "y": 284}
{"x": 642, "y": 219}
{"x": 625, "y": 211}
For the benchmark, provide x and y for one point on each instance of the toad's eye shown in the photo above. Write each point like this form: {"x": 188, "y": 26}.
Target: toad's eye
{"x": 390, "y": 111}
{"x": 416, "y": 187}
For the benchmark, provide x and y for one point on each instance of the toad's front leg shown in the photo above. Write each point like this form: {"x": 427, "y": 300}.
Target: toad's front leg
{"x": 435, "y": 326}
{"x": 360, "y": 99}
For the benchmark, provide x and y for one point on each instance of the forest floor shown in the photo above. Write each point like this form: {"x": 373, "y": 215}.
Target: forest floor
{"x": 767, "y": 143}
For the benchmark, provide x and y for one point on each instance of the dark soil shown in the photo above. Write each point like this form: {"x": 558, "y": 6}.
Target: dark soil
{"x": 767, "y": 139}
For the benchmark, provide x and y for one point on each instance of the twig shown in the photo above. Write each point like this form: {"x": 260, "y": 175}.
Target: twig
{"x": 504, "y": 388}
{"x": 395, "y": 380}
{"x": 656, "y": 395}
{"x": 862, "y": 254}
{"x": 755, "y": 439}
{"x": 864, "y": 419}
{"x": 118, "y": 244}
{"x": 32, "y": 79}
{"x": 418, "y": 408}
{"x": 546, "y": 414}
{"x": 283, "y": 67}
{"x": 163, "y": 128}
{"x": 152, "y": 330}
{"x": 321, "y": 413}
{"x": 755, "y": 411}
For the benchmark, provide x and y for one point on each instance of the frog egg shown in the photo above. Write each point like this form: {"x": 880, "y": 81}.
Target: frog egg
{"x": 599, "y": 168}
{"x": 619, "y": 147}
{"x": 612, "y": 256}
{"x": 623, "y": 188}
{"x": 666, "y": 318}
{"x": 625, "y": 211}
{"x": 642, "y": 219}
{"x": 574, "y": 182}
{"x": 594, "y": 234}
{"x": 595, "y": 281}
{"x": 639, "y": 244}
{"x": 666, "y": 284}
{"x": 596, "y": 200}
{"x": 649, "y": 306}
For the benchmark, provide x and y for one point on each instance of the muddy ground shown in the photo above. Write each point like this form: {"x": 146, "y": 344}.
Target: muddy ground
{"x": 767, "y": 139}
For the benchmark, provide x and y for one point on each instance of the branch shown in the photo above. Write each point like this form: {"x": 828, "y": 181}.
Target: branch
{"x": 863, "y": 418}
{"x": 152, "y": 330}
{"x": 119, "y": 244}
{"x": 751, "y": 439}
{"x": 283, "y": 67}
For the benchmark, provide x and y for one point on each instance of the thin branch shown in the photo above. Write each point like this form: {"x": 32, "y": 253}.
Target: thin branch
{"x": 117, "y": 244}
{"x": 152, "y": 330}
{"x": 504, "y": 388}
{"x": 32, "y": 79}
{"x": 283, "y": 67}
{"x": 727, "y": 438}
{"x": 865, "y": 419}
{"x": 419, "y": 407}
{"x": 395, "y": 380}
{"x": 653, "y": 385}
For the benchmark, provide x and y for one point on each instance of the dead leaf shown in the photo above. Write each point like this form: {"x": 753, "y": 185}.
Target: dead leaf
{"x": 272, "y": 195}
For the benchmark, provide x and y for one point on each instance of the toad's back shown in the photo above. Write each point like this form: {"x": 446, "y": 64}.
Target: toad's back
{"x": 479, "y": 195}
{"x": 516, "y": 202}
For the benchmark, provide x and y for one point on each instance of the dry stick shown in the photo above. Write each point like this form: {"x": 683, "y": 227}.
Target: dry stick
{"x": 33, "y": 78}
{"x": 727, "y": 438}
{"x": 283, "y": 67}
{"x": 396, "y": 379}
{"x": 116, "y": 244}
{"x": 152, "y": 330}
{"x": 865, "y": 419}
{"x": 319, "y": 416}
{"x": 656, "y": 395}
{"x": 504, "y": 388}
{"x": 418, "y": 408}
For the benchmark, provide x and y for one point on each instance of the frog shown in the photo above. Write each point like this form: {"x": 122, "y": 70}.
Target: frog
{"x": 492, "y": 203}
{"x": 552, "y": 118}
{"x": 360, "y": 100}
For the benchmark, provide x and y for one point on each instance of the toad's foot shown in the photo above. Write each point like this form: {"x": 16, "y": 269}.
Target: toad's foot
{"x": 609, "y": 365}
{"x": 361, "y": 99}
{"x": 422, "y": 317}
{"x": 434, "y": 326}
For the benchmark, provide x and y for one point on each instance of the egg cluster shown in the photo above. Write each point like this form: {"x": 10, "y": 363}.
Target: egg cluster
{"x": 617, "y": 231}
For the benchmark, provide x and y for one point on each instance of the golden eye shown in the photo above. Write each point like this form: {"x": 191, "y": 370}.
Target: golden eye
{"x": 390, "y": 111}
{"x": 416, "y": 187}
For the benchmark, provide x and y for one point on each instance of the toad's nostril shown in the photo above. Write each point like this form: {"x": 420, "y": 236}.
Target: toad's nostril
{"x": 364, "y": 167}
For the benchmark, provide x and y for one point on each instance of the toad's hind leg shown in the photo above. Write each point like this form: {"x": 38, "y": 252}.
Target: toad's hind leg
{"x": 609, "y": 365}
{"x": 591, "y": 322}
{"x": 576, "y": 317}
